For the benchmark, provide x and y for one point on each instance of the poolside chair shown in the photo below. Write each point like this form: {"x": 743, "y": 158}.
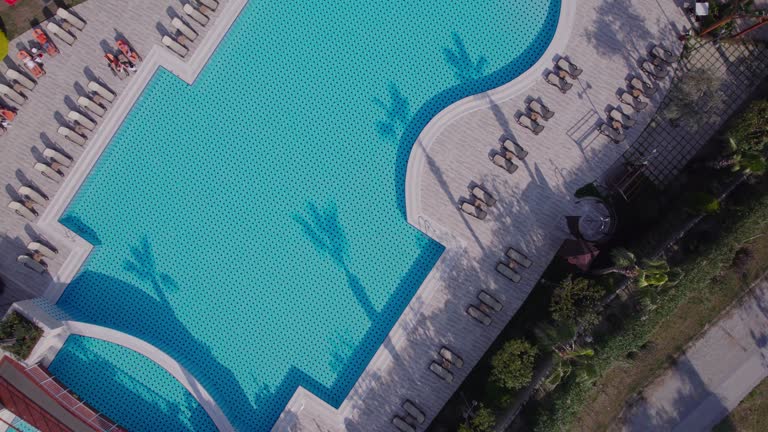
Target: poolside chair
{"x": 473, "y": 211}
{"x": 622, "y": 118}
{"x": 81, "y": 119}
{"x": 528, "y": 123}
{"x": 519, "y": 257}
{"x": 30, "y": 194}
{"x": 541, "y": 109}
{"x": 483, "y": 195}
{"x": 42, "y": 249}
{"x": 90, "y": 105}
{"x": 195, "y": 14}
{"x": 62, "y": 34}
{"x": 507, "y": 272}
{"x": 174, "y": 46}
{"x": 514, "y": 148}
{"x": 47, "y": 171}
{"x": 57, "y": 156}
{"x": 21, "y": 210}
{"x": 569, "y": 68}
{"x": 402, "y": 425}
{"x": 558, "y": 82}
{"x": 32, "y": 67}
{"x": 616, "y": 136}
{"x": 627, "y": 98}
{"x": 647, "y": 89}
{"x": 489, "y": 300}
{"x": 31, "y": 264}
{"x": 414, "y": 411}
{"x": 654, "y": 71}
{"x": 71, "y": 19}
{"x": 12, "y": 95}
{"x": 102, "y": 91}
{"x": 183, "y": 28}
{"x": 71, "y": 135}
{"x": 210, "y": 4}
{"x": 440, "y": 371}
{"x": 478, "y": 315}
{"x": 663, "y": 54}
{"x": 451, "y": 357}
{"x": 502, "y": 162}
{"x": 13, "y": 75}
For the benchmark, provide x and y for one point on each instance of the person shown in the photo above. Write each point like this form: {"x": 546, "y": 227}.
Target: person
{"x": 126, "y": 63}
{"x": 57, "y": 167}
{"x": 37, "y": 56}
{"x": 616, "y": 125}
{"x": 29, "y": 205}
{"x": 535, "y": 116}
{"x": 636, "y": 93}
{"x": 115, "y": 65}
{"x": 37, "y": 256}
{"x": 5, "y": 123}
{"x": 562, "y": 73}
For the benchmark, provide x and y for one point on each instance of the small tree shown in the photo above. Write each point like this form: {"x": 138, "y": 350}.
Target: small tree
{"x": 695, "y": 99}
{"x": 483, "y": 420}
{"x": 576, "y": 300}
{"x": 512, "y": 365}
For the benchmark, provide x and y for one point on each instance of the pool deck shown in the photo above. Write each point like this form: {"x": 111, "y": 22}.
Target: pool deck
{"x": 605, "y": 37}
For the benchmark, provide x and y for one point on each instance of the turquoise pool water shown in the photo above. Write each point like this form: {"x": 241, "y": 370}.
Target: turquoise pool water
{"x": 252, "y": 225}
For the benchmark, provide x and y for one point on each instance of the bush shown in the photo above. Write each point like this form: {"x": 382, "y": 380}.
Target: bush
{"x": 749, "y": 131}
{"x": 576, "y": 301}
{"x": 512, "y": 365}
{"x": 19, "y": 336}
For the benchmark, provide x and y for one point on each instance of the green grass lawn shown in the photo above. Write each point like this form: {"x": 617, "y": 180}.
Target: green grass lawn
{"x": 751, "y": 415}
{"x": 16, "y": 19}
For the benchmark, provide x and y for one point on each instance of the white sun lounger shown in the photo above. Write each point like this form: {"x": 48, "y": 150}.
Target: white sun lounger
{"x": 623, "y": 118}
{"x": 490, "y": 301}
{"x": 54, "y": 155}
{"x": 616, "y": 136}
{"x": 22, "y": 211}
{"x": 101, "y": 91}
{"x": 654, "y": 71}
{"x": 569, "y": 67}
{"x": 31, "y": 264}
{"x": 68, "y": 17}
{"x": 451, "y": 357}
{"x": 528, "y": 123}
{"x": 12, "y": 94}
{"x": 473, "y": 211}
{"x": 71, "y": 135}
{"x": 83, "y": 120}
{"x": 210, "y": 4}
{"x": 41, "y": 248}
{"x": 402, "y": 425}
{"x": 91, "y": 106}
{"x": 32, "y": 195}
{"x": 183, "y": 28}
{"x": 519, "y": 257}
{"x": 507, "y": 272}
{"x": 478, "y": 315}
{"x": 558, "y": 82}
{"x": 47, "y": 171}
{"x": 647, "y": 89}
{"x": 628, "y": 99}
{"x": 442, "y": 372}
{"x": 414, "y": 411}
{"x": 174, "y": 46}
{"x": 483, "y": 195}
{"x": 663, "y": 54}
{"x": 64, "y": 35}
{"x": 13, "y": 75}
{"x": 515, "y": 148}
{"x": 541, "y": 109}
{"x": 502, "y": 162}
{"x": 195, "y": 14}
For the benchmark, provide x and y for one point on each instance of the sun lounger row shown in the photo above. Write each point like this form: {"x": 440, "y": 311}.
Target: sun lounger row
{"x": 413, "y": 418}
{"x": 510, "y": 151}
{"x": 481, "y": 200}
{"x": 483, "y": 311}
{"x": 535, "y": 112}
{"x": 33, "y": 260}
{"x": 184, "y": 31}
{"x": 564, "y": 69}
{"x": 448, "y": 360}
{"x": 510, "y": 268}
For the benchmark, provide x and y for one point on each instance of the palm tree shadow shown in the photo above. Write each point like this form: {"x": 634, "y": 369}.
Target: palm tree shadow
{"x": 459, "y": 59}
{"x": 397, "y": 114}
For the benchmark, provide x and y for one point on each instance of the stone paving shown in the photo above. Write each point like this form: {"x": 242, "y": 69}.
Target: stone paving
{"x": 55, "y": 94}
{"x": 605, "y": 37}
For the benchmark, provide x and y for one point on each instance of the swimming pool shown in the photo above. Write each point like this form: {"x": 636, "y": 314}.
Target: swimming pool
{"x": 252, "y": 226}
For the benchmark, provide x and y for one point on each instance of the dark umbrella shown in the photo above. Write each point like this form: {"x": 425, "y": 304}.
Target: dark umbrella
{"x": 578, "y": 252}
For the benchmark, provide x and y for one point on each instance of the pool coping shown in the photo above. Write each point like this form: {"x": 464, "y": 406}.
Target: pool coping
{"x": 188, "y": 70}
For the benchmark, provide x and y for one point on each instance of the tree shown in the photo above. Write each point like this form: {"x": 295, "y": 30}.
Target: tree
{"x": 695, "y": 99}
{"x": 512, "y": 365}
{"x": 576, "y": 300}
{"x": 483, "y": 420}
{"x": 571, "y": 358}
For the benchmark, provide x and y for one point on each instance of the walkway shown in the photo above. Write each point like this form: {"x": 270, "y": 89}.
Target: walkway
{"x": 713, "y": 375}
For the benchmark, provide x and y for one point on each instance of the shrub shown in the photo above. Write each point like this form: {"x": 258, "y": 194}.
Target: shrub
{"x": 512, "y": 365}
{"x": 576, "y": 300}
{"x": 19, "y": 335}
